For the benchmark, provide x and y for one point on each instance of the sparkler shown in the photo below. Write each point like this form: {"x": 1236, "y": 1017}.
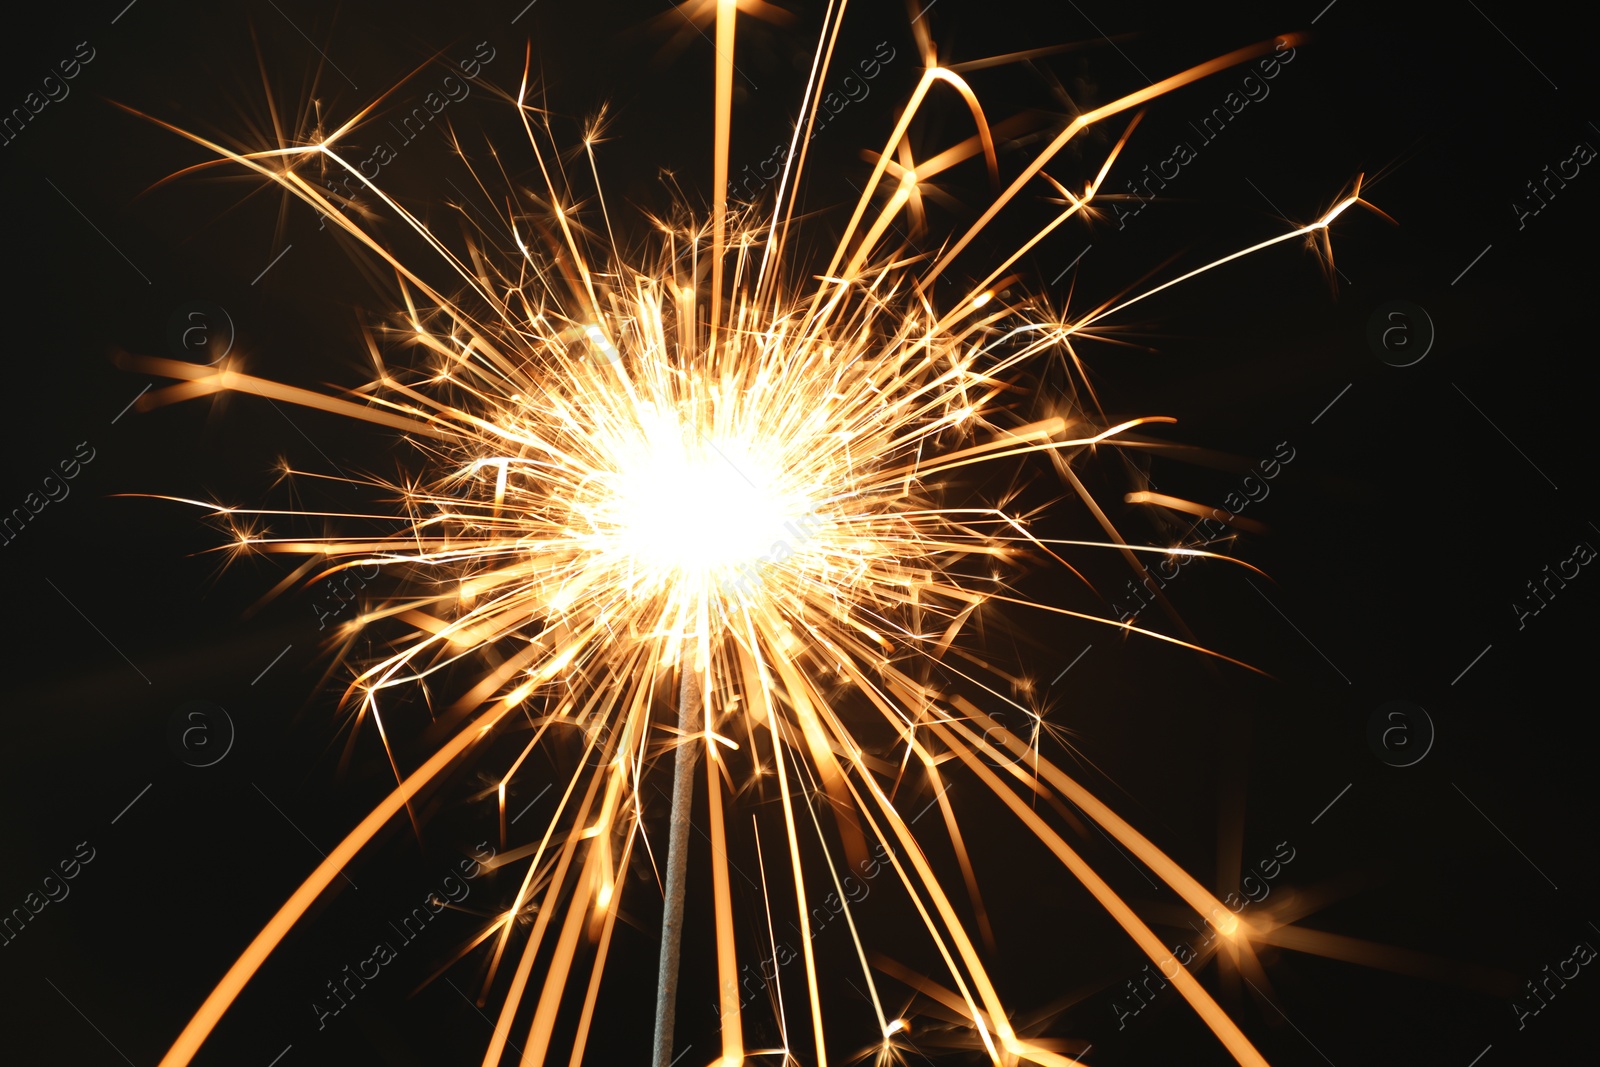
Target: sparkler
{"x": 707, "y": 468}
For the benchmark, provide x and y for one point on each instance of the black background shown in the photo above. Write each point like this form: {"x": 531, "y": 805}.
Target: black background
{"x": 1402, "y": 532}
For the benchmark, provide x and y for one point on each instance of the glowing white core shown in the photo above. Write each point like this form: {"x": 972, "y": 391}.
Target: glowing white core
{"x": 703, "y": 505}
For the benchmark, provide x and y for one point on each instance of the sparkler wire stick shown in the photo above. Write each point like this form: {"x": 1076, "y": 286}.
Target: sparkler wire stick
{"x": 677, "y": 863}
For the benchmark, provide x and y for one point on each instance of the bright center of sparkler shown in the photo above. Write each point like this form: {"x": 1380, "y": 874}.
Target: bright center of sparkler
{"x": 710, "y": 506}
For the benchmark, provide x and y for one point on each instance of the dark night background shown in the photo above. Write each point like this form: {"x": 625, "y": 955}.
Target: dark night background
{"x": 1415, "y": 511}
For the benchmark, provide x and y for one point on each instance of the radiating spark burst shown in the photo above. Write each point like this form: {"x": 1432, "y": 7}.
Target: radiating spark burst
{"x": 720, "y": 472}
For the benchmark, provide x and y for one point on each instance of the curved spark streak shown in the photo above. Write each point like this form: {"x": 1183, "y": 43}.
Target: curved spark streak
{"x": 846, "y": 395}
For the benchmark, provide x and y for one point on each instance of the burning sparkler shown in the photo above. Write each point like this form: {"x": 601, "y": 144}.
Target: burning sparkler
{"x": 706, "y": 471}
